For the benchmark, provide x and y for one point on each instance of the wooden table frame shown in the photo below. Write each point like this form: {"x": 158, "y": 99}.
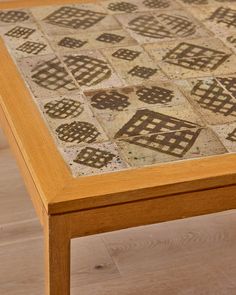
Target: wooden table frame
{"x": 70, "y": 208}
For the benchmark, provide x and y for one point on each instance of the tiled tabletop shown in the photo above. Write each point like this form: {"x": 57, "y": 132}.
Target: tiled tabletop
{"x": 126, "y": 84}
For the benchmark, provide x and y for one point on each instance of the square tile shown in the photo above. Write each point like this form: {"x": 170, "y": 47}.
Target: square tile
{"x": 211, "y": 99}
{"x": 47, "y": 76}
{"x": 94, "y": 159}
{"x": 15, "y": 16}
{"x": 150, "y": 95}
{"x": 25, "y": 40}
{"x": 91, "y": 70}
{"x": 227, "y": 135}
{"x": 74, "y": 19}
{"x": 147, "y": 121}
{"x": 133, "y": 65}
{"x": 167, "y": 147}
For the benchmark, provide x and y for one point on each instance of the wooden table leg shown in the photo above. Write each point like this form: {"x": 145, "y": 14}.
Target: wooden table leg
{"x": 57, "y": 256}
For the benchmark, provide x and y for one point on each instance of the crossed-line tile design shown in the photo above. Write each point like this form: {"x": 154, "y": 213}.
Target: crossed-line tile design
{"x": 105, "y": 86}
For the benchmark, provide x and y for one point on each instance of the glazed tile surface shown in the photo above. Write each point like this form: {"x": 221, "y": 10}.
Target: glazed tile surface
{"x": 127, "y": 84}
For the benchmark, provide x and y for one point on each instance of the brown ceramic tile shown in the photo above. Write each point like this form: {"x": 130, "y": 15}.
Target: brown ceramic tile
{"x": 168, "y": 147}
{"x": 91, "y": 70}
{"x": 227, "y": 135}
{"x": 213, "y": 101}
{"x": 94, "y": 159}
{"x": 72, "y": 19}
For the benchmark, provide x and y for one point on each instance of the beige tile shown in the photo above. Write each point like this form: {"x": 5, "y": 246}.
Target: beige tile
{"x": 15, "y": 16}
{"x": 227, "y": 135}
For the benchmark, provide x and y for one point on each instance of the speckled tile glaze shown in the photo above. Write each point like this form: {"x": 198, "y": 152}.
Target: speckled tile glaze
{"x": 127, "y": 84}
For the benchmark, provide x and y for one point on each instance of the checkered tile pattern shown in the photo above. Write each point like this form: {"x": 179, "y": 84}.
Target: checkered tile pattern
{"x": 142, "y": 72}
{"x": 13, "y": 16}
{"x": 77, "y": 132}
{"x": 75, "y": 18}
{"x": 122, "y": 7}
{"x": 31, "y": 47}
{"x": 229, "y": 83}
{"x": 72, "y": 43}
{"x": 155, "y": 95}
{"x": 224, "y": 15}
{"x": 146, "y": 122}
{"x": 126, "y": 54}
{"x": 195, "y": 2}
{"x": 232, "y": 136}
{"x": 110, "y": 38}
{"x": 110, "y": 100}
{"x": 176, "y": 144}
{"x": 52, "y": 75}
{"x": 148, "y": 26}
{"x": 195, "y": 57}
{"x": 62, "y": 109}
{"x": 213, "y": 97}
{"x": 20, "y": 32}
{"x": 88, "y": 70}
{"x": 156, "y": 3}
{"x": 93, "y": 157}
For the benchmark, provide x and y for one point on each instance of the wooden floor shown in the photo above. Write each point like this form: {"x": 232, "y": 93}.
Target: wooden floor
{"x": 184, "y": 257}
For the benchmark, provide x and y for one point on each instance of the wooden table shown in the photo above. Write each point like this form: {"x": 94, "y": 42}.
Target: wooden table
{"x": 159, "y": 145}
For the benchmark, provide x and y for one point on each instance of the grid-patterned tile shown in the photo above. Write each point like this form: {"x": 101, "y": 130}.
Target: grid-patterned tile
{"x": 20, "y": 32}
{"x": 31, "y": 47}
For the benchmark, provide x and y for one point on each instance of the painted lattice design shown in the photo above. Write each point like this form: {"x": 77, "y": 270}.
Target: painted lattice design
{"x": 31, "y": 47}
{"x": 196, "y": 2}
{"x": 75, "y": 18}
{"x": 176, "y": 143}
{"x": 52, "y": 75}
{"x": 195, "y": 57}
{"x": 87, "y": 70}
{"x": 93, "y": 157}
{"x": 77, "y": 132}
{"x": 110, "y": 38}
{"x": 225, "y": 16}
{"x": 232, "y": 136}
{"x": 142, "y": 72}
{"x": 13, "y": 16}
{"x": 20, "y": 32}
{"x": 213, "y": 97}
{"x": 147, "y": 122}
{"x": 155, "y": 94}
{"x": 232, "y": 40}
{"x": 148, "y": 26}
{"x": 156, "y": 3}
{"x": 126, "y": 54}
{"x": 177, "y": 25}
{"x": 122, "y": 7}
{"x": 111, "y": 100}
{"x": 229, "y": 83}
{"x": 62, "y": 109}
{"x": 72, "y": 43}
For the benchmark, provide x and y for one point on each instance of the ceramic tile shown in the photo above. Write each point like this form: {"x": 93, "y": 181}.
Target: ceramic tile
{"x": 133, "y": 65}
{"x": 213, "y": 101}
{"x": 131, "y": 6}
{"x": 15, "y": 16}
{"x": 167, "y": 147}
{"x": 47, "y": 76}
{"x": 93, "y": 40}
{"x": 150, "y": 95}
{"x": 161, "y": 26}
{"x": 193, "y": 58}
{"x": 25, "y": 40}
{"x": 94, "y": 159}
{"x": 72, "y": 19}
{"x": 227, "y": 135}
{"x": 91, "y": 70}
{"x": 76, "y": 126}
{"x": 147, "y": 121}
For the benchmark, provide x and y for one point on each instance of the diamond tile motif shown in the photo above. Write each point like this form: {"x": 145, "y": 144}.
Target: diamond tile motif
{"x": 212, "y": 97}
{"x": 31, "y": 47}
{"x": 123, "y": 84}
{"x": 71, "y": 42}
{"x": 74, "y": 18}
{"x": 20, "y": 32}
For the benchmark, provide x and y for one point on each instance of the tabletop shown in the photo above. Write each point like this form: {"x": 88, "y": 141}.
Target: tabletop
{"x": 114, "y": 101}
